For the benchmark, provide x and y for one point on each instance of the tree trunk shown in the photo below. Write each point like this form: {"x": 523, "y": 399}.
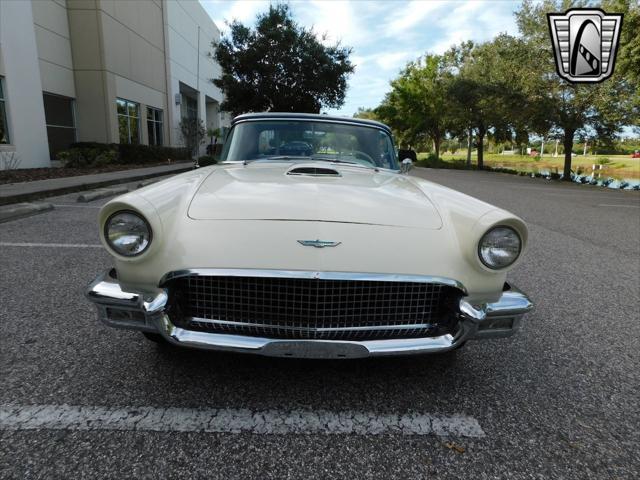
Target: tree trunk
{"x": 469, "y": 149}
{"x": 480, "y": 150}
{"x": 436, "y": 145}
{"x": 568, "y": 145}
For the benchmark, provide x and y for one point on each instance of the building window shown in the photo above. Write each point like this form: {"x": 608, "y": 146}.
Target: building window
{"x": 189, "y": 107}
{"x": 4, "y": 128}
{"x": 128, "y": 121}
{"x": 60, "y": 120}
{"x": 154, "y": 126}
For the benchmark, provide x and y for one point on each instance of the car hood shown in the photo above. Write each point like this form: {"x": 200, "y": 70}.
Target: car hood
{"x": 280, "y": 191}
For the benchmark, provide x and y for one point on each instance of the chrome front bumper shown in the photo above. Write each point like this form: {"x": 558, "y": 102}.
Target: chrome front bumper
{"x": 146, "y": 311}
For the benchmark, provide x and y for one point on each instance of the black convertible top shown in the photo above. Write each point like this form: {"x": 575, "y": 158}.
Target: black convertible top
{"x": 308, "y": 117}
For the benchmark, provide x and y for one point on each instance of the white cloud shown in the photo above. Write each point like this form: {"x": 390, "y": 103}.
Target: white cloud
{"x": 495, "y": 23}
{"x": 334, "y": 19}
{"x": 394, "y": 60}
{"x": 451, "y": 38}
{"x": 478, "y": 21}
{"x": 366, "y": 90}
{"x": 360, "y": 61}
{"x": 412, "y": 15}
{"x": 245, "y": 11}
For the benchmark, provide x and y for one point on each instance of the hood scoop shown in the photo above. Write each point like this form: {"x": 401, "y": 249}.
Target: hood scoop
{"x": 314, "y": 172}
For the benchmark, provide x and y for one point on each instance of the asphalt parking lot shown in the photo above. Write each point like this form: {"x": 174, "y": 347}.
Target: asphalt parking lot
{"x": 560, "y": 400}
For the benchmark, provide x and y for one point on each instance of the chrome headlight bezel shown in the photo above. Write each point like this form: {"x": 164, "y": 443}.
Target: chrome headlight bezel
{"x": 481, "y": 245}
{"x": 114, "y": 248}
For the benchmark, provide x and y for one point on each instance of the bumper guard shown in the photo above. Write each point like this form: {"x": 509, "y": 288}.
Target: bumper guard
{"x": 145, "y": 311}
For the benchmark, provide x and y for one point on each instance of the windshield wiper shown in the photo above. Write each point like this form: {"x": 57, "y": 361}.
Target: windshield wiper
{"x": 275, "y": 158}
{"x": 337, "y": 160}
{"x": 331, "y": 159}
{"x": 282, "y": 157}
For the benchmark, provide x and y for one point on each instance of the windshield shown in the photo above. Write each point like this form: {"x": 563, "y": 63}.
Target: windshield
{"x": 323, "y": 141}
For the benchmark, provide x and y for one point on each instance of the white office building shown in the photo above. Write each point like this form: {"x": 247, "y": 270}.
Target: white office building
{"x": 108, "y": 71}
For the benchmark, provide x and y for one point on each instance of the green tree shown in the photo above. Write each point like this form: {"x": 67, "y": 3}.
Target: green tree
{"x": 571, "y": 109}
{"x": 193, "y": 133}
{"x": 628, "y": 61}
{"x": 366, "y": 113}
{"x": 489, "y": 93}
{"x": 280, "y": 66}
{"x": 390, "y": 111}
{"x": 418, "y": 103}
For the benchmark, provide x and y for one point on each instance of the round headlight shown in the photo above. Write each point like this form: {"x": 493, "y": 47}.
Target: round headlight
{"x": 499, "y": 247}
{"x": 127, "y": 233}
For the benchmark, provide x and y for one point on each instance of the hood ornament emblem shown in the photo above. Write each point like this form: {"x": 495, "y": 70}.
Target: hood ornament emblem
{"x": 585, "y": 43}
{"x": 318, "y": 243}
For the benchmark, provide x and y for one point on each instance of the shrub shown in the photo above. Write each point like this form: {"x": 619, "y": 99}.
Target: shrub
{"x": 102, "y": 147}
{"x": 193, "y": 132}
{"x": 214, "y": 150}
{"x": 108, "y": 157}
{"x": 510, "y": 171}
{"x": 94, "y": 154}
{"x": 433, "y": 158}
{"x": 217, "y": 150}
{"x": 206, "y": 160}
{"x": 431, "y": 161}
{"x": 76, "y": 157}
{"x": 134, "y": 154}
{"x": 89, "y": 155}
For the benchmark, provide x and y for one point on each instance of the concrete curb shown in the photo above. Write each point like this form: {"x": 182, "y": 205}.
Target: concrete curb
{"x": 21, "y": 210}
{"x": 148, "y": 182}
{"x": 27, "y": 197}
{"x": 101, "y": 193}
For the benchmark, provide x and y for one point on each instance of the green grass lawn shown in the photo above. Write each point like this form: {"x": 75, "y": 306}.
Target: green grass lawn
{"x": 619, "y": 166}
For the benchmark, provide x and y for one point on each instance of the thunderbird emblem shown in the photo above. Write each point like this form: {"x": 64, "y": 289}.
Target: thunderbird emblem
{"x": 318, "y": 243}
{"x": 585, "y": 42}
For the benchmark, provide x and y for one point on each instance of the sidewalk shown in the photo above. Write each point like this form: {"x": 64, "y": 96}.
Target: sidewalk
{"x": 28, "y": 191}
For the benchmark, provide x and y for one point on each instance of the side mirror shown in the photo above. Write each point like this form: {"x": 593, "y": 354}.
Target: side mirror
{"x": 406, "y": 165}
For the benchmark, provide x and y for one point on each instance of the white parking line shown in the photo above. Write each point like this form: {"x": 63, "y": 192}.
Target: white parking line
{"x": 76, "y": 206}
{"x": 267, "y": 422}
{"x": 51, "y": 245}
{"x": 617, "y": 205}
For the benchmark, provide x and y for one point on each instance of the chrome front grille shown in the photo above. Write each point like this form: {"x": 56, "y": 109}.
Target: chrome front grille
{"x": 308, "y": 308}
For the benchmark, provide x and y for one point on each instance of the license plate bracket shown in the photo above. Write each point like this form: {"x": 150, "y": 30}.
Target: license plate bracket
{"x": 314, "y": 349}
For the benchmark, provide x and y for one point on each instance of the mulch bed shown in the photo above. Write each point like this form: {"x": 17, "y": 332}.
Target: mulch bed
{"x": 31, "y": 174}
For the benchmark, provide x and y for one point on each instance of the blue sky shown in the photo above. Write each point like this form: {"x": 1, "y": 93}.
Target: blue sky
{"x": 384, "y": 35}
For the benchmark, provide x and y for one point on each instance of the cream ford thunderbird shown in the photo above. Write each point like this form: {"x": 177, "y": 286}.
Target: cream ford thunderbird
{"x": 309, "y": 241}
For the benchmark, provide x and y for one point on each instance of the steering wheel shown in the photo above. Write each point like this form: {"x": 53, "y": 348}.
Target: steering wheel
{"x": 363, "y": 156}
